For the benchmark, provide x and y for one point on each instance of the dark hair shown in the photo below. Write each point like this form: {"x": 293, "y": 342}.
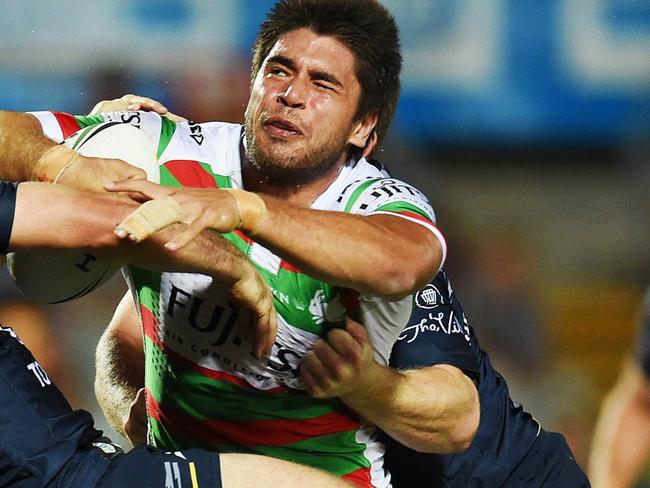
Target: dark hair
{"x": 363, "y": 26}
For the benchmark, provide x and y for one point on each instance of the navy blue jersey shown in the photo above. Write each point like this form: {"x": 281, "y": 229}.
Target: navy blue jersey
{"x": 643, "y": 342}
{"x": 7, "y": 210}
{"x": 502, "y": 451}
{"x": 44, "y": 442}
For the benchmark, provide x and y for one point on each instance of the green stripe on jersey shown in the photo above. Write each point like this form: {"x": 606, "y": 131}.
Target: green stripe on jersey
{"x": 167, "y": 178}
{"x": 88, "y": 120}
{"x": 167, "y": 129}
{"x": 338, "y": 453}
{"x": 403, "y": 207}
{"x": 194, "y": 394}
{"x": 357, "y": 192}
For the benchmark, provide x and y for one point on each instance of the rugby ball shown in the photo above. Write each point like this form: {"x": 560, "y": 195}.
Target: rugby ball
{"x": 60, "y": 275}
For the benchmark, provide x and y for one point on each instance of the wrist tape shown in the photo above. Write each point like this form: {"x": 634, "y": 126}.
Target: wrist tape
{"x": 53, "y": 163}
{"x": 252, "y": 209}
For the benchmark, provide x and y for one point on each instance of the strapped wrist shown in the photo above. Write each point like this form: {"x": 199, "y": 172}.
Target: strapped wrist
{"x": 52, "y": 163}
{"x": 251, "y": 207}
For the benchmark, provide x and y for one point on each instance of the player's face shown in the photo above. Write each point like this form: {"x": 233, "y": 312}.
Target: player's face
{"x": 299, "y": 119}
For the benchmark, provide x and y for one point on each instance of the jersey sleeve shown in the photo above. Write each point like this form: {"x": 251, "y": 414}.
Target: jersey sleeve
{"x": 437, "y": 332}
{"x": 390, "y": 196}
{"x": 58, "y": 126}
{"x": 7, "y": 211}
{"x": 642, "y": 352}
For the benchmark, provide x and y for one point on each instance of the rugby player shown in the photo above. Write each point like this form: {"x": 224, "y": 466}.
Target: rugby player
{"x": 43, "y": 441}
{"x": 621, "y": 442}
{"x": 510, "y": 448}
{"x": 425, "y": 403}
{"x": 314, "y": 216}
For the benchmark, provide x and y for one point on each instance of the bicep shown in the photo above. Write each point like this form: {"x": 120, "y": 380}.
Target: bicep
{"x": 415, "y": 239}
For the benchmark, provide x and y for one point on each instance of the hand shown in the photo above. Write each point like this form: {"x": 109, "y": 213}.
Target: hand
{"x": 199, "y": 208}
{"x": 340, "y": 363}
{"x": 260, "y": 327}
{"x": 135, "y": 102}
{"x": 135, "y": 426}
{"x": 86, "y": 173}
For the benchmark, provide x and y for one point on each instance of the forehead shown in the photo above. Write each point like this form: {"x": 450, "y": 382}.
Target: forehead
{"x": 312, "y": 51}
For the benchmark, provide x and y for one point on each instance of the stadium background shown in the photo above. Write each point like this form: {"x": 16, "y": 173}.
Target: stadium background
{"x": 527, "y": 123}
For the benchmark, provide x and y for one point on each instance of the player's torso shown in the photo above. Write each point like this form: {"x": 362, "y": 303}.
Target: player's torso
{"x": 194, "y": 351}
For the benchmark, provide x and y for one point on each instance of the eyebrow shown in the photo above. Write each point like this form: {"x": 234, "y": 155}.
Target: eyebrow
{"x": 316, "y": 74}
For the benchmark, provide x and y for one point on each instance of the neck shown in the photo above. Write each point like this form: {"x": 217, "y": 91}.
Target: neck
{"x": 302, "y": 195}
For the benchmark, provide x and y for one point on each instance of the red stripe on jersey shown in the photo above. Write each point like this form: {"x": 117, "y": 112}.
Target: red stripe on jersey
{"x": 413, "y": 215}
{"x": 243, "y": 237}
{"x": 67, "y": 123}
{"x": 190, "y": 173}
{"x": 151, "y": 325}
{"x": 277, "y": 432}
{"x": 289, "y": 267}
{"x": 359, "y": 477}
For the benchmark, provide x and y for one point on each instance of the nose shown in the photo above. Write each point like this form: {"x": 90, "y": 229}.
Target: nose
{"x": 293, "y": 95}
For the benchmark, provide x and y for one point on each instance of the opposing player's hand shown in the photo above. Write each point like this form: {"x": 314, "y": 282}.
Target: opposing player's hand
{"x": 135, "y": 425}
{"x": 199, "y": 208}
{"x": 339, "y": 363}
{"x": 135, "y": 102}
{"x": 260, "y": 326}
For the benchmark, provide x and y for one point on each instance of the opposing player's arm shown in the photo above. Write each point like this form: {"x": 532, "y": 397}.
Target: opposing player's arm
{"x": 27, "y": 154}
{"x": 381, "y": 254}
{"x": 621, "y": 441}
{"x": 119, "y": 365}
{"x": 55, "y": 216}
{"x": 432, "y": 409}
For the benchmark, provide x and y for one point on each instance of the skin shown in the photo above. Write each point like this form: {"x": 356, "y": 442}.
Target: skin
{"x": 621, "y": 441}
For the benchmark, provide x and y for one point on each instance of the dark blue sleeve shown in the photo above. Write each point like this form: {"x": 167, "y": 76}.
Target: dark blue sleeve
{"x": 437, "y": 332}
{"x": 643, "y": 341}
{"x": 7, "y": 210}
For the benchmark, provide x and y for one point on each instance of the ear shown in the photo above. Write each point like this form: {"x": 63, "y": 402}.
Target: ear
{"x": 362, "y": 130}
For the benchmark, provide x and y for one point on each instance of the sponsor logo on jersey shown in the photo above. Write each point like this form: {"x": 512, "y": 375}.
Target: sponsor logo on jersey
{"x": 196, "y": 132}
{"x": 132, "y": 118}
{"x": 429, "y": 297}
{"x": 40, "y": 373}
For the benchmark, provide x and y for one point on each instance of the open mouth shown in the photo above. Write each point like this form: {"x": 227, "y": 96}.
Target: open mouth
{"x": 280, "y": 127}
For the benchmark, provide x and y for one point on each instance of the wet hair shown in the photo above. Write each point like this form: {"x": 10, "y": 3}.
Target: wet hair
{"x": 363, "y": 26}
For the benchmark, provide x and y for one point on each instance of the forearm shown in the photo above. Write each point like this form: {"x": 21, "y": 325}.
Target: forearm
{"x": 22, "y": 143}
{"x": 78, "y": 219}
{"x": 369, "y": 254}
{"x": 434, "y": 409}
{"x": 621, "y": 443}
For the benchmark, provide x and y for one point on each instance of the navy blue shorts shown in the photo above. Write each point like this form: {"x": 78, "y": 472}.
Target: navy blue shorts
{"x": 44, "y": 442}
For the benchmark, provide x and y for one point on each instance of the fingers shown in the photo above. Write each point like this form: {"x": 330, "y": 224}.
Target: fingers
{"x": 135, "y": 426}
{"x": 357, "y": 331}
{"x": 135, "y": 102}
{"x": 149, "y": 218}
{"x": 190, "y": 232}
{"x": 139, "y": 185}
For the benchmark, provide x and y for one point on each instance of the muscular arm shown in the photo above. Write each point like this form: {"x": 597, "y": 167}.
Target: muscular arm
{"x": 119, "y": 364}
{"x": 621, "y": 443}
{"x": 373, "y": 255}
{"x": 77, "y": 219}
{"x": 433, "y": 409}
{"x": 21, "y": 144}
{"x": 381, "y": 254}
